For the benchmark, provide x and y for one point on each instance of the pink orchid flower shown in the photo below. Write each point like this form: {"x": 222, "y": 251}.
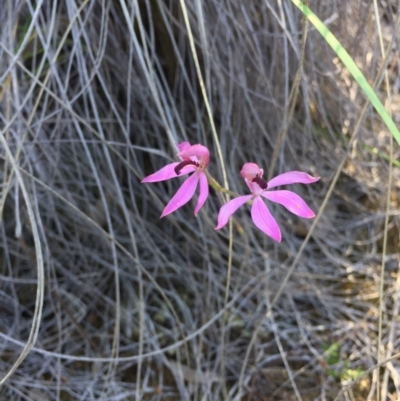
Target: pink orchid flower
{"x": 194, "y": 158}
{"x": 260, "y": 213}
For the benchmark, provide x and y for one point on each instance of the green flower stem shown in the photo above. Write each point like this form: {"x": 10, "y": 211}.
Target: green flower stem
{"x": 214, "y": 183}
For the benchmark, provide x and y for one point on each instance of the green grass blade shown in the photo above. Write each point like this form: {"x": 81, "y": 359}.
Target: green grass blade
{"x": 351, "y": 65}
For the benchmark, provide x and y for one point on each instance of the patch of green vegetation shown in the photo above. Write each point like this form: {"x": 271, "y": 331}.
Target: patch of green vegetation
{"x": 337, "y": 368}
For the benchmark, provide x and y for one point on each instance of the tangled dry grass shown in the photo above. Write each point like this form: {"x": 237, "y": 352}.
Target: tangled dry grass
{"x": 102, "y": 300}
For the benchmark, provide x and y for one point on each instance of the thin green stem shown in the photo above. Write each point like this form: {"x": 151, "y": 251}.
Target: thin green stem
{"x": 217, "y": 186}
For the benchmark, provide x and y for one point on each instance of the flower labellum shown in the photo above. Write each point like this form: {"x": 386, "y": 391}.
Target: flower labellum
{"x": 260, "y": 213}
{"x": 194, "y": 159}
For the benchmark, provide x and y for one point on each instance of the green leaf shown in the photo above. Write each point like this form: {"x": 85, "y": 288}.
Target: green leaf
{"x": 332, "y": 353}
{"x": 351, "y": 66}
{"x": 353, "y": 373}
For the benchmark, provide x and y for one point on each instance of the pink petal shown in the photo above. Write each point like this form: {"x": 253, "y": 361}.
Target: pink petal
{"x": 254, "y": 187}
{"x": 199, "y": 151}
{"x": 183, "y": 195}
{"x": 292, "y": 202}
{"x": 250, "y": 170}
{"x": 203, "y": 192}
{"x": 229, "y": 208}
{"x": 165, "y": 173}
{"x": 292, "y": 177}
{"x": 187, "y": 169}
{"x": 182, "y": 146}
{"x": 264, "y": 220}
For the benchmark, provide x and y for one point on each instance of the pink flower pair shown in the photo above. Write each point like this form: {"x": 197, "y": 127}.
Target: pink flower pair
{"x": 195, "y": 158}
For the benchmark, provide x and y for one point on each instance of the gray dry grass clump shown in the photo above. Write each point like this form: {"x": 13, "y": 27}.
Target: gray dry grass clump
{"x": 102, "y": 299}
